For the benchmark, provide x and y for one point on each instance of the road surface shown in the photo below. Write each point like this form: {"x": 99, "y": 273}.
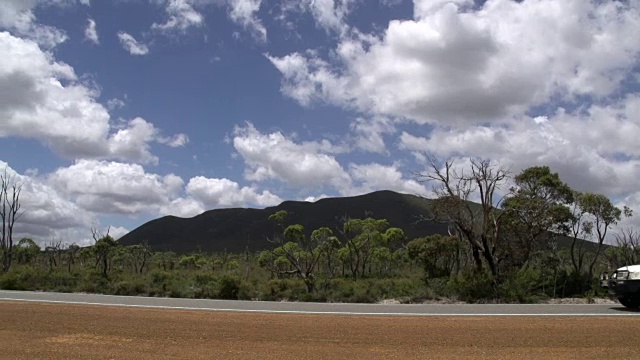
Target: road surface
{"x": 325, "y": 308}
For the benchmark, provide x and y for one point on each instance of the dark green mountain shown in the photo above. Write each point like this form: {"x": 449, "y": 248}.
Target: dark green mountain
{"x": 237, "y": 229}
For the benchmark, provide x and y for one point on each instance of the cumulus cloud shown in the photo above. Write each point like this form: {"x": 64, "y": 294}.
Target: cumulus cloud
{"x": 373, "y": 177}
{"x": 17, "y": 16}
{"x": 91, "y": 33}
{"x": 226, "y": 193}
{"x": 181, "y": 16}
{"x": 458, "y": 63}
{"x": 182, "y": 207}
{"x": 369, "y": 134}
{"x": 273, "y": 156}
{"x": 47, "y": 213}
{"x": 131, "y": 45}
{"x": 42, "y": 98}
{"x": 593, "y": 149}
{"x": 244, "y": 13}
{"x": 115, "y": 188}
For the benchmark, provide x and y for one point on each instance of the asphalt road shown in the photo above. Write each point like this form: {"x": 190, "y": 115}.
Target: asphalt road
{"x": 325, "y": 308}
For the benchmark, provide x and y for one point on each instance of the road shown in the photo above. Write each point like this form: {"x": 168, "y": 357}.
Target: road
{"x": 324, "y": 308}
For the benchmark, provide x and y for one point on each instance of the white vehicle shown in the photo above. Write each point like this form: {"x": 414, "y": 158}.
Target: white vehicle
{"x": 624, "y": 283}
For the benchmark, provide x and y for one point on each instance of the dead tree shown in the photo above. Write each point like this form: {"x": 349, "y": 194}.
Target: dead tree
{"x": 9, "y": 213}
{"x": 479, "y": 224}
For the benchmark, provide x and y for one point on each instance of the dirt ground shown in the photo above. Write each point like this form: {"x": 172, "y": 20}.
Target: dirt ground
{"x": 57, "y": 331}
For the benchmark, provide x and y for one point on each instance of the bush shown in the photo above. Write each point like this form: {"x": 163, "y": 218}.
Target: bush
{"x": 94, "y": 282}
{"x": 24, "y": 278}
{"x": 229, "y": 287}
{"x": 473, "y": 287}
{"x": 130, "y": 287}
{"x": 523, "y": 286}
{"x": 61, "y": 281}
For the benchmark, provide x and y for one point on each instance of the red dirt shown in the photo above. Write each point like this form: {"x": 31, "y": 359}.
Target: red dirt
{"x": 57, "y": 331}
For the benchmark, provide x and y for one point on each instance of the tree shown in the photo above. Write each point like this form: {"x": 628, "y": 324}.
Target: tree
{"x": 52, "y": 253}
{"x": 9, "y": 213}
{"x": 479, "y": 225}
{"x": 26, "y": 251}
{"x": 439, "y": 255}
{"x": 103, "y": 251}
{"x": 535, "y": 212}
{"x": 603, "y": 215}
{"x": 295, "y": 254}
{"x": 362, "y": 237}
{"x": 328, "y": 245}
{"x": 72, "y": 252}
{"x": 627, "y": 249}
{"x": 139, "y": 255}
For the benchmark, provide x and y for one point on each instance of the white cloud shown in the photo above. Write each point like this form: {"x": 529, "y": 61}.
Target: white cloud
{"x": 116, "y": 103}
{"x": 90, "y": 32}
{"x": 17, "y": 16}
{"x": 178, "y": 140}
{"x": 593, "y": 149}
{"x": 244, "y": 13}
{"x": 455, "y": 63}
{"x": 117, "y": 232}
{"x": 132, "y": 141}
{"x": 329, "y": 15}
{"x": 132, "y": 45}
{"x": 273, "y": 156}
{"x": 182, "y": 16}
{"x": 43, "y": 99}
{"x": 369, "y": 134}
{"x": 47, "y": 214}
{"x": 374, "y": 177}
{"x": 115, "y": 188}
{"x": 216, "y": 193}
{"x": 183, "y": 207}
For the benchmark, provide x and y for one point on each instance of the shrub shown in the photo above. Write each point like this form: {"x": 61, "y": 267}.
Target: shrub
{"x": 470, "y": 286}
{"x": 523, "y": 286}
{"x": 229, "y": 287}
{"x": 23, "y": 278}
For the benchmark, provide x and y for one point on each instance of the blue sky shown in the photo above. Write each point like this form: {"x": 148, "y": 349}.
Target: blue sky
{"x": 113, "y": 113}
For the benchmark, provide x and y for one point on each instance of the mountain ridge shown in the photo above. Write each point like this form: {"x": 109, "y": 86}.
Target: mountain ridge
{"x": 239, "y": 229}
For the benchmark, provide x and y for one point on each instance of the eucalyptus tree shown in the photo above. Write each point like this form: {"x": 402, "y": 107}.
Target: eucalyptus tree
{"x": 439, "y": 255}
{"x": 480, "y": 225}
{"x": 363, "y": 238}
{"x": 26, "y": 251}
{"x": 536, "y": 211}
{"x": 295, "y": 254}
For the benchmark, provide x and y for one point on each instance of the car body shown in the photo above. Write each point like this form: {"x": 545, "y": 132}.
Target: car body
{"x": 624, "y": 283}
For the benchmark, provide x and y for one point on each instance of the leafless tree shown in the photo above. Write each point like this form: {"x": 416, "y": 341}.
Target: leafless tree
{"x": 480, "y": 225}
{"x": 9, "y": 213}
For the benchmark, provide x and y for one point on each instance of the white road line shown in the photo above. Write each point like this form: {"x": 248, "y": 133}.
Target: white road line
{"x": 303, "y": 312}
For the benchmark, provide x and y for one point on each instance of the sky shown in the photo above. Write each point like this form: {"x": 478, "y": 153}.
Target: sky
{"x": 113, "y": 113}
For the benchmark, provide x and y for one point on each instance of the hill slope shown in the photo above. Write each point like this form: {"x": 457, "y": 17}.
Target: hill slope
{"x": 237, "y": 229}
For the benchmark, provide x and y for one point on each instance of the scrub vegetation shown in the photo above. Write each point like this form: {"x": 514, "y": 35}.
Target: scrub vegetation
{"x": 537, "y": 239}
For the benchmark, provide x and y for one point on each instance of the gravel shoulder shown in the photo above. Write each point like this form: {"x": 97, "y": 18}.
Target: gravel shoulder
{"x": 61, "y": 331}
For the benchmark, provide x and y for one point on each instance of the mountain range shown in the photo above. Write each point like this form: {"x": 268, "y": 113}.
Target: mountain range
{"x": 239, "y": 229}
{"x": 242, "y": 229}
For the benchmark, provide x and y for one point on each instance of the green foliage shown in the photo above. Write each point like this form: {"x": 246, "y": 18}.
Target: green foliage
{"x": 366, "y": 261}
{"x": 471, "y": 286}
{"x": 229, "y": 287}
{"x": 438, "y": 254}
